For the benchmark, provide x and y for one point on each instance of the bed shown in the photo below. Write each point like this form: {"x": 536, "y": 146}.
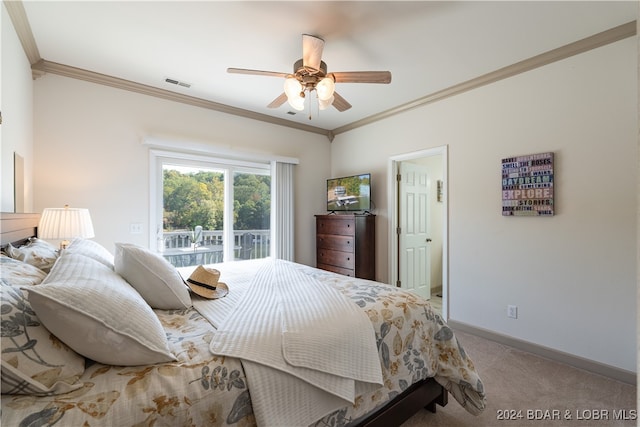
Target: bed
{"x": 184, "y": 383}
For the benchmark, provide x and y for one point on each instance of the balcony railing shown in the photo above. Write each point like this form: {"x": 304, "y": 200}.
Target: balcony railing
{"x": 181, "y": 251}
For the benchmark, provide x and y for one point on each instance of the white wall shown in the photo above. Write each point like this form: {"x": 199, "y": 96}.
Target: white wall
{"x": 573, "y": 275}
{"x": 16, "y": 104}
{"x": 89, "y": 154}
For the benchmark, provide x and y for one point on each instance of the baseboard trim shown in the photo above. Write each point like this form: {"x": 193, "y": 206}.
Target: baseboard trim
{"x": 549, "y": 353}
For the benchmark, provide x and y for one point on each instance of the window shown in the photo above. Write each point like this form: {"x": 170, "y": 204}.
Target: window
{"x": 209, "y": 210}
{"x": 252, "y": 214}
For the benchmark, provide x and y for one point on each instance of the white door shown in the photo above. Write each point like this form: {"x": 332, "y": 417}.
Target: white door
{"x": 413, "y": 237}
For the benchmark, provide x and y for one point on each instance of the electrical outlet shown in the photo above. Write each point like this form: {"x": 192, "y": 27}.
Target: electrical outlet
{"x": 512, "y": 311}
{"x": 135, "y": 228}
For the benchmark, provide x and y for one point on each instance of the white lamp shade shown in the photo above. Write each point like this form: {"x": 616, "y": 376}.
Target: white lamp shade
{"x": 292, "y": 87}
{"x": 325, "y": 88}
{"x": 293, "y": 90}
{"x": 297, "y": 103}
{"x": 65, "y": 223}
{"x": 326, "y": 104}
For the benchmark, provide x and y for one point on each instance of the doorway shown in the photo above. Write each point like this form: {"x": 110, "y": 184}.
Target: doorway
{"x": 418, "y": 223}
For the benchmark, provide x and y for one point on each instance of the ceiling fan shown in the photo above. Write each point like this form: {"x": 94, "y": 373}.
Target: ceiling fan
{"x": 310, "y": 73}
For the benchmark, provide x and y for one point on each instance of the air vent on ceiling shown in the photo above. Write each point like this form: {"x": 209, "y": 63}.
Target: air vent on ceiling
{"x": 177, "y": 82}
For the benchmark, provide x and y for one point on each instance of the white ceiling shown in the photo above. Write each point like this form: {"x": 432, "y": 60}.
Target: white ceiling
{"x": 427, "y": 46}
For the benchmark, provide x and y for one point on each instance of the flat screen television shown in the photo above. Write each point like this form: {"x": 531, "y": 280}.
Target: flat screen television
{"x": 349, "y": 193}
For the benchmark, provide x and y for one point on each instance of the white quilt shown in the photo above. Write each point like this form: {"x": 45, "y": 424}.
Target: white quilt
{"x": 287, "y": 322}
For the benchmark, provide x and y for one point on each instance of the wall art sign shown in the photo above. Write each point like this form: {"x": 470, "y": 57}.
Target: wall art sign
{"x": 527, "y": 185}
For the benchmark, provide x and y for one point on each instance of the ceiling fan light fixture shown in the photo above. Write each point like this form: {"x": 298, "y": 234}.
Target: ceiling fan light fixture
{"x": 324, "y": 104}
{"x": 292, "y": 87}
{"x": 295, "y": 92}
{"x": 325, "y": 88}
{"x": 297, "y": 103}
{"x": 310, "y": 74}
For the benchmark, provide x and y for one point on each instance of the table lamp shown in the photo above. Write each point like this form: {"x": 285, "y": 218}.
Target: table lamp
{"x": 65, "y": 224}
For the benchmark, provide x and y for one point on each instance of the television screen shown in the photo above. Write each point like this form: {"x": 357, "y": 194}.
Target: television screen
{"x": 351, "y": 193}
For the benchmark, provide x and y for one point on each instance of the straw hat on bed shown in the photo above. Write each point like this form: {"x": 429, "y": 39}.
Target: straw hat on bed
{"x": 204, "y": 282}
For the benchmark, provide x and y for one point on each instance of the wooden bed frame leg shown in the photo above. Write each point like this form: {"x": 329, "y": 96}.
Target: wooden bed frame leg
{"x": 406, "y": 404}
{"x": 441, "y": 400}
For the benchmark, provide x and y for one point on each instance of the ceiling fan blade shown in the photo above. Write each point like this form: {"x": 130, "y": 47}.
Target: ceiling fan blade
{"x": 278, "y": 101}
{"x": 340, "y": 103}
{"x": 256, "y": 72}
{"x": 383, "y": 77}
{"x": 312, "y": 47}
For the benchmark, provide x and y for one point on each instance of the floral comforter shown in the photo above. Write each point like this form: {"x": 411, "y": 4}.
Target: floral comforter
{"x": 201, "y": 389}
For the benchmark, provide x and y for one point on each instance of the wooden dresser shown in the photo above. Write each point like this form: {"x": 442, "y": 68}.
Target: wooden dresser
{"x": 345, "y": 244}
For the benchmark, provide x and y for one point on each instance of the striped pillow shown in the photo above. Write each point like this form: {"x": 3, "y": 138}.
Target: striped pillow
{"x": 33, "y": 360}
{"x": 97, "y": 313}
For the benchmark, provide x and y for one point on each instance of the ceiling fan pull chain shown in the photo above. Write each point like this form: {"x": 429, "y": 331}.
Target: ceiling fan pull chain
{"x": 313, "y": 105}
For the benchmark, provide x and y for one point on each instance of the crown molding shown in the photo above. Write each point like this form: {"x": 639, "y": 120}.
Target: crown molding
{"x": 44, "y": 67}
{"x": 23, "y": 29}
{"x": 597, "y": 40}
{"x": 40, "y": 67}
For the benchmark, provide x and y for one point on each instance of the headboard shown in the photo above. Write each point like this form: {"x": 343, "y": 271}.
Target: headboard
{"x": 16, "y": 228}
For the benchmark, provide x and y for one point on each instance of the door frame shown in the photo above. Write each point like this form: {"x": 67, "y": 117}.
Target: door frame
{"x": 393, "y": 203}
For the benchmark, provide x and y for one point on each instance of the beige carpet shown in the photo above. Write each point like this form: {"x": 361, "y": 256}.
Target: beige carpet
{"x": 521, "y": 382}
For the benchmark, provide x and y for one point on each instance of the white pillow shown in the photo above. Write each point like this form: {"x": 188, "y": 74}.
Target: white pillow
{"x": 17, "y": 273}
{"x": 37, "y": 252}
{"x": 152, "y": 276}
{"x": 97, "y": 313}
{"x": 33, "y": 360}
{"x": 91, "y": 249}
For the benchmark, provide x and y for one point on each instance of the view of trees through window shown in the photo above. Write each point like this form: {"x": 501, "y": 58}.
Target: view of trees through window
{"x": 252, "y": 201}
{"x": 192, "y": 199}
{"x": 194, "y": 208}
{"x": 197, "y": 198}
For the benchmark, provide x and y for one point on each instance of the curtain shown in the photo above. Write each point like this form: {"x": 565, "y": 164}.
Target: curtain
{"x": 282, "y": 223}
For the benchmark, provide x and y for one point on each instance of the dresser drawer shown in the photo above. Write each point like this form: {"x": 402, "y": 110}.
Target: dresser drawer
{"x": 339, "y": 270}
{"x": 337, "y": 258}
{"x": 338, "y": 243}
{"x": 345, "y": 244}
{"x": 341, "y": 226}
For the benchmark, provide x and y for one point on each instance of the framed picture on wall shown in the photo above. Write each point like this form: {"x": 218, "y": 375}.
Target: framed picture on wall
{"x": 18, "y": 183}
{"x": 527, "y": 185}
